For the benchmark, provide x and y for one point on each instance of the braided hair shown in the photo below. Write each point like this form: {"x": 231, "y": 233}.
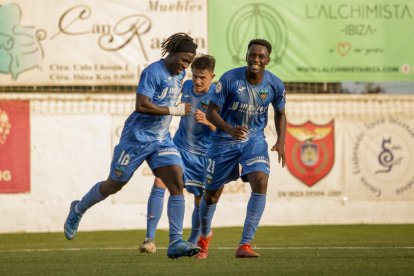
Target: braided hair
{"x": 179, "y": 42}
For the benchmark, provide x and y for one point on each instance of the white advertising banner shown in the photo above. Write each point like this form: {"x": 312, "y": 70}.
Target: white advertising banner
{"x": 90, "y": 42}
{"x": 349, "y": 161}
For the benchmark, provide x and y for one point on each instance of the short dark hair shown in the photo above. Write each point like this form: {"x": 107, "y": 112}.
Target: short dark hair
{"x": 261, "y": 42}
{"x": 177, "y": 42}
{"x": 203, "y": 62}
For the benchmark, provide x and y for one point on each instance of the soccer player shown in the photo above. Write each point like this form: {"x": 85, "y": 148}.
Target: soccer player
{"x": 238, "y": 109}
{"x": 192, "y": 139}
{"x": 145, "y": 136}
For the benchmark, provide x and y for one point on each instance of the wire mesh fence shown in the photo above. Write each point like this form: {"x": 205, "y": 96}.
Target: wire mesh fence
{"x": 291, "y": 87}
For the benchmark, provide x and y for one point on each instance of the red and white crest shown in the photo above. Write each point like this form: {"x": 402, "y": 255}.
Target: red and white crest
{"x": 310, "y": 151}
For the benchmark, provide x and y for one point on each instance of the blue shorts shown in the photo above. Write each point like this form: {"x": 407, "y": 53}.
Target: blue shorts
{"x": 129, "y": 156}
{"x": 195, "y": 174}
{"x": 224, "y": 160}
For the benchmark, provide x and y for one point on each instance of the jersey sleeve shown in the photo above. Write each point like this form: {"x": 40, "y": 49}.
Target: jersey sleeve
{"x": 280, "y": 96}
{"x": 185, "y": 91}
{"x": 220, "y": 93}
{"x": 147, "y": 84}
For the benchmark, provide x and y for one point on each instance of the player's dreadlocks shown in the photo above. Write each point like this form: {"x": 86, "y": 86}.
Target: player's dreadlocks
{"x": 179, "y": 42}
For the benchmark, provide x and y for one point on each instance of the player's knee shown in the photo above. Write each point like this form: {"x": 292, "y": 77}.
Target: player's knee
{"x": 211, "y": 199}
{"x": 197, "y": 200}
{"x": 110, "y": 187}
{"x": 259, "y": 184}
{"x": 176, "y": 188}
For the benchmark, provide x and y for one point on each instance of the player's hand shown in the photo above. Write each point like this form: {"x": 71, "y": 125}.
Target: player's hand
{"x": 200, "y": 117}
{"x": 281, "y": 155}
{"x": 188, "y": 108}
{"x": 239, "y": 133}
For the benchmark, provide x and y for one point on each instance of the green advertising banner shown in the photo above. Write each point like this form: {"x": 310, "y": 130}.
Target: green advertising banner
{"x": 318, "y": 40}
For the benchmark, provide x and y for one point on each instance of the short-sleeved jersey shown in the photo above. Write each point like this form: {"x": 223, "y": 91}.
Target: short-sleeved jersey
{"x": 192, "y": 136}
{"x": 244, "y": 104}
{"x": 163, "y": 88}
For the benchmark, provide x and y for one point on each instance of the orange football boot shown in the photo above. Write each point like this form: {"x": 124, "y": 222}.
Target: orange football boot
{"x": 246, "y": 251}
{"x": 204, "y": 244}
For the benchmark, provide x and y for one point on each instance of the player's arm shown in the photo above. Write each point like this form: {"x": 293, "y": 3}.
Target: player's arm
{"x": 200, "y": 117}
{"x": 280, "y": 125}
{"x": 144, "y": 105}
{"x": 238, "y": 133}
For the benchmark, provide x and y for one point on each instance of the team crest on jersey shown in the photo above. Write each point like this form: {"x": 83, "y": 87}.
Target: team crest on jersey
{"x": 119, "y": 170}
{"x": 218, "y": 87}
{"x": 204, "y": 104}
{"x": 311, "y": 149}
{"x": 264, "y": 93}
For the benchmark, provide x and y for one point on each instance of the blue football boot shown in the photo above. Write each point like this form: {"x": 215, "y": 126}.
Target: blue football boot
{"x": 180, "y": 248}
{"x": 72, "y": 222}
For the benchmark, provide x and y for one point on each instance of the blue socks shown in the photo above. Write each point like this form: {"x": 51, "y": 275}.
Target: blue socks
{"x": 89, "y": 199}
{"x": 176, "y": 208}
{"x": 196, "y": 227}
{"x": 206, "y": 216}
{"x": 255, "y": 209}
{"x": 154, "y": 210}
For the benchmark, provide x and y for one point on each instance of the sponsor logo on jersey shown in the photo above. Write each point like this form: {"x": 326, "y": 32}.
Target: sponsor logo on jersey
{"x": 168, "y": 151}
{"x": 248, "y": 108}
{"x": 257, "y": 159}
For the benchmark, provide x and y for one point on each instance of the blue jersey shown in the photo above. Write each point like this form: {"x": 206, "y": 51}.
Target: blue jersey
{"x": 192, "y": 136}
{"x": 244, "y": 104}
{"x": 157, "y": 83}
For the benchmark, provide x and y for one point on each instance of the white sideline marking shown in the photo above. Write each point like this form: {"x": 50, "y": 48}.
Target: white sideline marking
{"x": 214, "y": 248}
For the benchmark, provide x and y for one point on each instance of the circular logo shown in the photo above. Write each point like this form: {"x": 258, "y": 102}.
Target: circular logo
{"x": 386, "y": 157}
{"x": 256, "y": 21}
{"x": 383, "y": 158}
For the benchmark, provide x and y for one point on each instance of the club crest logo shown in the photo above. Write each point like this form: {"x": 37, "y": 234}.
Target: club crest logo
{"x": 263, "y": 94}
{"x": 310, "y": 149}
{"x": 218, "y": 87}
{"x": 119, "y": 170}
{"x": 204, "y": 104}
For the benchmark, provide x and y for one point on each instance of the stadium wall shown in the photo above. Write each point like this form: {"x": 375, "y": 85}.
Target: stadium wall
{"x": 349, "y": 162}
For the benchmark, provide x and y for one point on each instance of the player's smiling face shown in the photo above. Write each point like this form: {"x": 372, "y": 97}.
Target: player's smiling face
{"x": 180, "y": 62}
{"x": 257, "y": 58}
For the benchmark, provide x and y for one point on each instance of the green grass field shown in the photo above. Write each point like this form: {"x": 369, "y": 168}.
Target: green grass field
{"x": 299, "y": 250}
